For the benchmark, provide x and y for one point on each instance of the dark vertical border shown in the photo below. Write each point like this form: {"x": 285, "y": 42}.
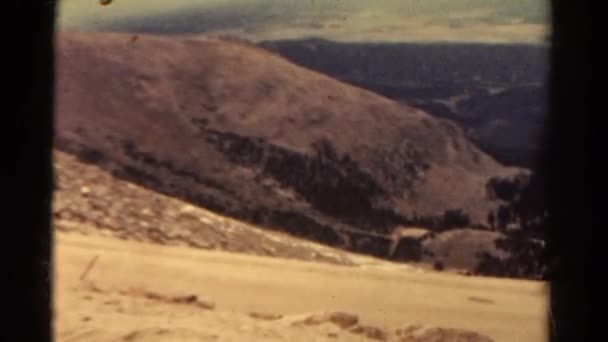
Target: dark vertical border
{"x": 567, "y": 166}
{"x": 26, "y": 235}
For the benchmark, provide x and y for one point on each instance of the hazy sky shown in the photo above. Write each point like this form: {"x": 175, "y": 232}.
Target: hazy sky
{"x": 506, "y": 20}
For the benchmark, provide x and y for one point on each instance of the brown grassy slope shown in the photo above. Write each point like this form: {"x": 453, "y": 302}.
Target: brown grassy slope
{"x": 241, "y": 131}
{"x": 89, "y": 200}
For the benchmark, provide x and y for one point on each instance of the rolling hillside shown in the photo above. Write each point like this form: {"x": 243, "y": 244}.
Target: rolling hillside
{"x": 241, "y": 131}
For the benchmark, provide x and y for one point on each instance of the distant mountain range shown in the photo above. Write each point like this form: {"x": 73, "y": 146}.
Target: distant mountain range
{"x": 354, "y": 20}
{"x": 497, "y": 93}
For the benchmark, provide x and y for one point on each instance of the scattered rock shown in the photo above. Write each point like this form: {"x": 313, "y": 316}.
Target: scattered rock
{"x": 371, "y": 332}
{"x": 438, "y": 265}
{"x": 187, "y": 209}
{"x": 265, "y": 316}
{"x": 312, "y": 320}
{"x": 435, "y": 334}
{"x": 186, "y": 299}
{"x": 343, "y": 320}
{"x": 162, "y": 331}
{"x": 480, "y": 300}
{"x": 131, "y": 336}
{"x": 191, "y": 300}
{"x": 407, "y": 331}
{"x": 64, "y": 215}
{"x": 269, "y": 250}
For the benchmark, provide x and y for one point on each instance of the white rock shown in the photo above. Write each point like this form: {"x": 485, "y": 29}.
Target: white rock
{"x": 187, "y": 209}
{"x": 205, "y": 220}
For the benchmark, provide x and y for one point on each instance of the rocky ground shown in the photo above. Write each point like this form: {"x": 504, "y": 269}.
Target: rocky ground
{"x": 91, "y": 201}
{"x": 107, "y": 289}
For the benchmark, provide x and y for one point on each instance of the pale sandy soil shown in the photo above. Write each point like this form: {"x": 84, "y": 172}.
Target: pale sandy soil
{"x": 147, "y": 292}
